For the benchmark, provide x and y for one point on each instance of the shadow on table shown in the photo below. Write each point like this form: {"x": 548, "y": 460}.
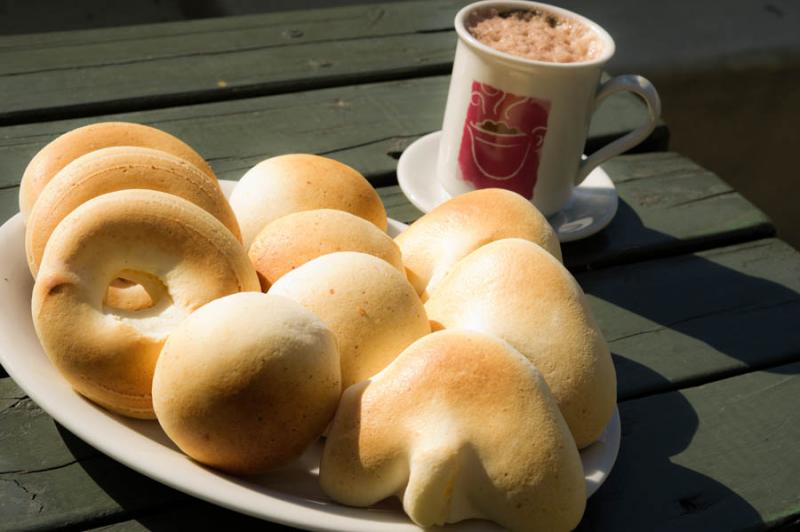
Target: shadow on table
{"x": 646, "y": 490}
{"x": 749, "y": 322}
{"x": 147, "y": 503}
{"x": 729, "y": 322}
{"x": 626, "y": 240}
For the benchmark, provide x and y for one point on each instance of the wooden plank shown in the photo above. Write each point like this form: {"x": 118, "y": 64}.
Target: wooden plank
{"x": 718, "y": 457}
{"x": 193, "y": 515}
{"x": 9, "y": 202}
{"x": 671, "y": 323}
{"x": 668, "y": 205}
{"x": 689, "y": 319}
{"x": 94, "y": 489}
{"x": 235, "y": 135}
{"x": 196, "y": 77}
{"x": 367, "y": 126}
{"x": 49, "y": 478}
{"x": 244, "y": 31}
{"x": 190, "y": 61}
{"x": 9, "y": 205}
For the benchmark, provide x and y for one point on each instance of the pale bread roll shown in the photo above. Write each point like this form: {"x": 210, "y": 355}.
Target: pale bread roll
{"x": 182, "y": 254}
{"x": 119, "y": 168}
{"x": 517, "y": 291}
{"x": 300, "y": 182}
{"x": 294, "y": 239}
{"x": 71, "y": 145}
{"x": 369, "y": 305}
{"x": 454, "y": 229}
{"x": 459, "y": 426}
{"x": 247, "y": 382}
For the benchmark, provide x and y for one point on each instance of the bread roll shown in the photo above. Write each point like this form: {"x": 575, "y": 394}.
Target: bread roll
{"x": 183, "y": 256}
{"x": 71, "y": 145}
{"x": 459, "y": 426}
{"x": 451, "y": 231}
{"x": 119, "y": 168}
{"x": 517, "y": 291}
{"x": 300, "y": 182}
{"x": 294, "y": 239}
{"x": 247, "y": 382}
{"x": 369, "y": 305}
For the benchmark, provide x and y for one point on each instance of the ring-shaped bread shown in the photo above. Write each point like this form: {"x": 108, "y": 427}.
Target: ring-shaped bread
{"x": 72, "y": 144}
{"x": 119, "y": 168}
{"x": 159, "y": 239}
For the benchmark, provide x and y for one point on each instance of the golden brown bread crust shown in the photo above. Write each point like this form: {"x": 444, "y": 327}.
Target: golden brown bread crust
{"x": 369, "y": 305}
{"x": 247, "y": 382}
{"x": 451, "y": 231}
{"x": 299, "y": 182}
{"x": 459, "y": 426}
{"x": 119, "y": 168}
{"x": 294, "y": 239}
{"x": 109, "y": 356}
{"x": 515, "y": 290}
{"x": 71, "y": 145}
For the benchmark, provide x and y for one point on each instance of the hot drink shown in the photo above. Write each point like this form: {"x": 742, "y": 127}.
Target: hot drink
{"x": 535, "y": 34}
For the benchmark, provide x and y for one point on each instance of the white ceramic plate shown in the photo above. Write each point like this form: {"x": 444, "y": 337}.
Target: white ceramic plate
{"x": 291, "y": 496}
{"x": 591, "y": 207}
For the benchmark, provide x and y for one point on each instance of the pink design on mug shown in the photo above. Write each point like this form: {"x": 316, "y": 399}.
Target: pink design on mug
{"x": 502, "y": 139}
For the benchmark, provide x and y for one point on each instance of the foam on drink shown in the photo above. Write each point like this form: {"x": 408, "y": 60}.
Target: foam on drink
{"x": 535, "y": 34}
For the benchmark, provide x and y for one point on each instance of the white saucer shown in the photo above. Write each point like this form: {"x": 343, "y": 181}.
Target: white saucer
{"x": 592, "y": 206}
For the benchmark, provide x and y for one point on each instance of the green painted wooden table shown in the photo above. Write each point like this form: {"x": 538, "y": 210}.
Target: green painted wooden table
{"x": 697, "y": 298}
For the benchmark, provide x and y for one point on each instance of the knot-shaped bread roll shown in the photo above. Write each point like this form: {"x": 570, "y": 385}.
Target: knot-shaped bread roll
{"x": 459, "y": 426}
{"x": 454, "y": 229}
{"x": 300, "y": 182}
{"x": 119, "y": 168}
{"x": 71, "y": 145}
{"x": 369, "y": 305}
{"x": 517, "y": 291}
{"x": 247, "y": 382}
{"x": 180, "y": 253}
{"x": 294, "y": 239}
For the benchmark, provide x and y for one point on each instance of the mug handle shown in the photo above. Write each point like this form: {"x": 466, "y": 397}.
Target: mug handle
{"x": 647, "y": 92}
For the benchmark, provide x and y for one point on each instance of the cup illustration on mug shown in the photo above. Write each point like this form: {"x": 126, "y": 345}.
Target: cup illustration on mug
{"x": 502, "y": 139}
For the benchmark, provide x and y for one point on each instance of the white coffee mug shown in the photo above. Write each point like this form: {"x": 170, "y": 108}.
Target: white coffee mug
{"x": 539, "y": 114}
